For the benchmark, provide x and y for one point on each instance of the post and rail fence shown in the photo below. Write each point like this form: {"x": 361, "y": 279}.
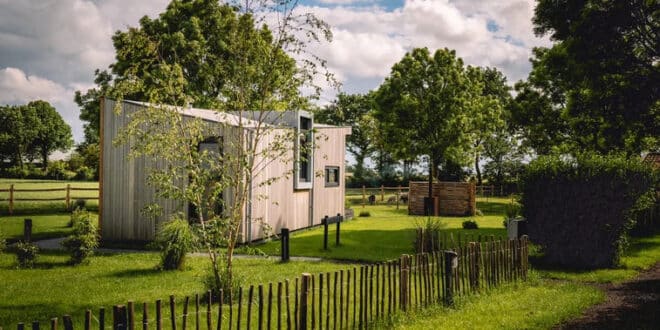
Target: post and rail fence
{"x": 13, "y": 195}
{"x": 357, "y": 297}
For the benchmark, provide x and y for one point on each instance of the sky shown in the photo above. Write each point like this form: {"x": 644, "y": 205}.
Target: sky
{"x": 50, "y": 48}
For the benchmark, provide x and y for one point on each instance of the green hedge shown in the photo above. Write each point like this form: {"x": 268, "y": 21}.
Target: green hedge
{"x": 579, "y": 209}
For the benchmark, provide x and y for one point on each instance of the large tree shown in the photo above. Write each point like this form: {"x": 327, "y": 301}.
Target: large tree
{"x": 423, "y": 106}
{"x": 605, "y": 62}
{"x": 224, "y": 58}
{"x": 353, "y": 110}
{"x": 52, "y": 132}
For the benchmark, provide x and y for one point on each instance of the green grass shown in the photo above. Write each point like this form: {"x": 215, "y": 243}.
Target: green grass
{"x": 43, "y": 226}
{"x": 386, "y": 234}
{"x": 31, "y": 207}
{"x": 54, "y": 289}
{"x": 533, "y": 305}
{"x": 642, "y": 254}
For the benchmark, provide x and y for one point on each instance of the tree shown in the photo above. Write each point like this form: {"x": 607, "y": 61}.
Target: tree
{"x": 353, "y": 109}
{"x": 487, "y": 113}
{"x": 221, "y": 57}
{"x": 52, "y": 132}
{"x": 605, "y": 62}
{"x": 423, "y": 106}
{"x": 504, "y": 157}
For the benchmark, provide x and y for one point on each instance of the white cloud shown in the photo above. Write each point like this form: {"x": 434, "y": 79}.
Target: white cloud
{"x": 18, "y": 88}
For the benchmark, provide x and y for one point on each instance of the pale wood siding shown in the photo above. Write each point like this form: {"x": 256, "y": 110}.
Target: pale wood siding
{"x": 330, "y": 152}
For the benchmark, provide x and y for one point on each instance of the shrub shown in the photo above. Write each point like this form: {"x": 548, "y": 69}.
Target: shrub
{"x": 26, "y": 254}
{"x": 470, "y": 224}
{"x": 175, "y": 239}
{"x": 79, "y": 204}
{"x": 427, "y": 235}
{"x": 579, "y": 209}
{"x": 227, "y": 287}
{"x": 84, "y": 173}
{"x": 17, "y": 172}
{"x": 84, "y": 239}
{"x": 364, "y": 214}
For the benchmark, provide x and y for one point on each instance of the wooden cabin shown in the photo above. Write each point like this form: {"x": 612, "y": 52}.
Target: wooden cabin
{"x": 295, "y": 201}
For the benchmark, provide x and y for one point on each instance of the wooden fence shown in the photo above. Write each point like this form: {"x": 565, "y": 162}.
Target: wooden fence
{"x": 359, "y": 297}
{"x": 66, "y": 198}
{"x": 395, "y": 195}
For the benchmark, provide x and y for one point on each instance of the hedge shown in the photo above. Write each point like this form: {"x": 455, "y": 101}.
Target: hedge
{"x": 579, "y": 209}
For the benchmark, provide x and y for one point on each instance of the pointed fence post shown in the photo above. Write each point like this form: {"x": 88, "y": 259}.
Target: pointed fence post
{"x": 451, "y": 262}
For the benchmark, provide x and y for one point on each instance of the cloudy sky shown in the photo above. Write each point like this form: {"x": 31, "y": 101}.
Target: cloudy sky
{"x": 50, "y": 48}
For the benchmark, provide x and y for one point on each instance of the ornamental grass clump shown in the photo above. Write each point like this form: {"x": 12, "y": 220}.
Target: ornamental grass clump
{"x": 84, "y": 238}
{"x": 579, "y": 209}
{"x": 175, "y": 239}
{"x": 26, "y": 254}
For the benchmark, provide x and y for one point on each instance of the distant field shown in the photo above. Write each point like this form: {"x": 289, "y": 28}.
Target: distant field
{"x": 32, "y": 207}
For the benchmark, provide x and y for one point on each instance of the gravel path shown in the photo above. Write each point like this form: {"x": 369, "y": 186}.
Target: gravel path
{"x": 630, "y": 305}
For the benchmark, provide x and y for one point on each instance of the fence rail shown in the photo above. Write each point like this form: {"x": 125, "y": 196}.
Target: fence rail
{"x": 11, "y": 198}
{"x": 359, "y": 297}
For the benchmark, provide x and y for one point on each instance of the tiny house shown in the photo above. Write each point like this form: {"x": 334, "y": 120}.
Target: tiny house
{"x": 314, "y": 190}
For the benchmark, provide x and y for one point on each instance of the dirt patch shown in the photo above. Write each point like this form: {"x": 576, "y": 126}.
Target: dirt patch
{"x": 629, "y": 305}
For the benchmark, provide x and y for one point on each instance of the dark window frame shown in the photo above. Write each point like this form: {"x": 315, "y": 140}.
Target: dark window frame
{"x": 336, "y": 182}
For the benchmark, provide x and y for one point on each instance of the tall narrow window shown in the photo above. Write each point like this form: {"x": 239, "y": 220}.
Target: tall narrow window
{"x": 213, "y": 147}
{"x": 304, "y": 154}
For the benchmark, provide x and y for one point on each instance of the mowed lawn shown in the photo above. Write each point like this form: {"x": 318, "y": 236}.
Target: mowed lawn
{"x": 54, "y": 288}
{"x": 32, "y": 207}
{"x": 43, "y": 226}
{"x": 387, "y": 232}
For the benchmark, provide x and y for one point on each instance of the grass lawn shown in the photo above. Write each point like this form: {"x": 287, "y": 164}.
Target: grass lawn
{"x": 537, "y": 304}
{"x": 43, "y": 226}
{"x": 387, "y": 233}
{"x": 642, "y": 254}
{"x": 54, "y": 289}
{"x": 29, "y": 207}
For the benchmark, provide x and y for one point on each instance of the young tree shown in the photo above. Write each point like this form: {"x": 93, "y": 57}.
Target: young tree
{"x": 423, "y": 105}
{"x": 225, "y": 58}
{"x": 52, "y": 132}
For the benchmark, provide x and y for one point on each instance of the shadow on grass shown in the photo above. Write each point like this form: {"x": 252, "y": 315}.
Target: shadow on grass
{"x": 133, "y": 273}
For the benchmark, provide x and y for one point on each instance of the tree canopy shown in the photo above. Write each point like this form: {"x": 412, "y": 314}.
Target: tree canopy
{"x": 597, "y": 87}
{"x": 31, "y": 131}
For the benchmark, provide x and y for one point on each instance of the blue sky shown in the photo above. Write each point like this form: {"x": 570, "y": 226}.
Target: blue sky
{"x": 50, "y": 49}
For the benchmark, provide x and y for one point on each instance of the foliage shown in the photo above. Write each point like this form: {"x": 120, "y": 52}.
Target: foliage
{"x": 175, "y": 239}
{"x": 353, "y": 110}
{"x": 228, "y": 288}
{"x": 427, "y": 238}
{"x": 364, "y": 214}
{"x": 84, "y": 238}
{"x": 26, "y": 254}
{"x": 601, "y": 76}
{"x": 31, "y": 131}
{"x": 470, "y": 224}
{"x": 423, "y": 107}
{"x": 599, "y": 197}
{"x": 512, "y": 210}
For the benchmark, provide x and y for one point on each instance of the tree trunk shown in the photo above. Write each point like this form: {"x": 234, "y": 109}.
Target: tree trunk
{"x": 476, "y": 168}
{"x": 359, "y": 169}
{"x": 44, "y": 157}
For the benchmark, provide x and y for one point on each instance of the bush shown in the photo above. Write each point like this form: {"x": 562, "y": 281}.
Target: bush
{"x": 427, "y": 235}
{"x": 84, "y": 173}
{"x": 470, "y": 224}
{"x": 26, "y": 254}
{"x": 228, "y": 288}
{"x": 16, "y": 172}
{"x": 579, "y": 209}
{"x": 84, "y": 239}
{"x": 175, "y": 239}
{"x": 364, "y": 214}
{"x": 79, "y": 204}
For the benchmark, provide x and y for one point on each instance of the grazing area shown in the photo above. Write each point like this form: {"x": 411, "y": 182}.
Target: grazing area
{"x": 50, "y": 189}
{"x": 44, "y": 226}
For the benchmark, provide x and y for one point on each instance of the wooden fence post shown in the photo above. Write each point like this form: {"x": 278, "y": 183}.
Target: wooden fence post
{"x": 364, "y": 196}
{"x": 382, "y": 193}
{"x": 11, "y": 199}
{"x": 304, "y": 293}
{"x": 27, "y": 230}
{"x": 398, "y": 197}
{"x": 68, "y": 324}
{"x": 404, "y": 273}
{"x": 53, "y": 323}
{"x": 285, "y": 244}
{"x": 451, "y": 262}
{"x": 68, "y": 197}
{"x": 119, "y": 317}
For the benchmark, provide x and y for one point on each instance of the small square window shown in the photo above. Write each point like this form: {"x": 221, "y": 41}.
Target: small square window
{"x": 332, "y": 176}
